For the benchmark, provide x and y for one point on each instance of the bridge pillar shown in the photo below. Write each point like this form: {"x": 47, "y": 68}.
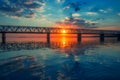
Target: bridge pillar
{"x": 48, "y": 38}
{"x": 3, "y": 38}
{"x": 118, "y": 37}
{"x": 102, "y": 37}
{"x": 79, "y": 36}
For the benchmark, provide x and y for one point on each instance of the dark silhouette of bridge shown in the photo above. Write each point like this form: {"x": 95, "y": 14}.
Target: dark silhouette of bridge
{"x": 4, "y": 29}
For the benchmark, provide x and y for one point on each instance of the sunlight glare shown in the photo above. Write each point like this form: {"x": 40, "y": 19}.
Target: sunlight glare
{"x": 63, "y": 31}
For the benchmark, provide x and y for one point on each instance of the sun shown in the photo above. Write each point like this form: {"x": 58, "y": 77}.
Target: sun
{"x": 63, "y": 31}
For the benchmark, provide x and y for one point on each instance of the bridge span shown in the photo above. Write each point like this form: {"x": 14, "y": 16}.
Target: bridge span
{"x": 4, "y": 29}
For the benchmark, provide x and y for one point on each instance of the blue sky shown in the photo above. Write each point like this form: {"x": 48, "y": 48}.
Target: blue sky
{"x": 103, "y": 14}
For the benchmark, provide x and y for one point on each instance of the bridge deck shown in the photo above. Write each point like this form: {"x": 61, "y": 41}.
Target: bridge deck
{"x": 52, "y": 30}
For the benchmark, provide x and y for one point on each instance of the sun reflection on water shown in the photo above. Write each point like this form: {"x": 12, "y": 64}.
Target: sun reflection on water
{"x": 63, "y": 42}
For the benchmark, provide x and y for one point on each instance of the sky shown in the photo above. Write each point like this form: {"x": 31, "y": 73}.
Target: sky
{"x": 99, "y": 14}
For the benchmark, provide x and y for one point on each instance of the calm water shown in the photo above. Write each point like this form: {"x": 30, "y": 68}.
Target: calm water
{"x": 63, "y": 59}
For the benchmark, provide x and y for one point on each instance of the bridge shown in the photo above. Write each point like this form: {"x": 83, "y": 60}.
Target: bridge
{"x": 4, "y": 29}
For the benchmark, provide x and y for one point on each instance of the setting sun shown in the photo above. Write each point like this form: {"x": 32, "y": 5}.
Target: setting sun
{"x": 63, "y": 31}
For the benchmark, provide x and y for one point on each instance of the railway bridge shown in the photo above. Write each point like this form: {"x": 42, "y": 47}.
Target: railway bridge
{"x": 4, "y": 29}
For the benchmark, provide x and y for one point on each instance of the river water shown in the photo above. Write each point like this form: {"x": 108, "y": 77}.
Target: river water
{"x": 62, "y": 59}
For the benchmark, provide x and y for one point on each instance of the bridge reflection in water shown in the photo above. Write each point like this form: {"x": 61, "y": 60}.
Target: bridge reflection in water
{"x": 61, "y": 43}
{"x": 35, "y": 67}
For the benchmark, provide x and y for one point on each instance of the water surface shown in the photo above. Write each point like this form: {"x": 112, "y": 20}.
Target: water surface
{"x": 62, "y": 59}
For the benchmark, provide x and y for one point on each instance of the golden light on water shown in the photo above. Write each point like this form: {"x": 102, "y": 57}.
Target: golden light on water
{"x": 63, "y": 41}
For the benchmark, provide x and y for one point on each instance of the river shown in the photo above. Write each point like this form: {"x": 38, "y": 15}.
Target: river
{"x": 32, "y": 58}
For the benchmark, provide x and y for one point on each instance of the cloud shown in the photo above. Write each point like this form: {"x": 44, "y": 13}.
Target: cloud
{"x": 108, "y": 27}
{"x": 66, "y": 7}
{"x": 91, "y": 13}
{"x": 100, "y": 18}
{"x": 75, "y": 15}
{"x": 118, "y": 14}
{"x": 105, "y": 10}
{"x": 77, "y": 22}
{"x": 98, "y": 9}
{"x": 67, "y": 18}
{"x": 21, "y": 8}
{"x": 28, "y": 2}
{"x": 30, "y": 15}
{"x": 91, "y": 22}
{"x": 93, "y": 9}
{"x": 60, "y": 1}
{"x": 73, "y": 4}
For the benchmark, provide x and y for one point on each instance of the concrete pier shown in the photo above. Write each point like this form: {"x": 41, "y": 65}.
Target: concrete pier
{"x": 48, "y": 38}
{"x": 102, "y": 37}
{"x": 79, "y": 37}
{"x": 3, "y": 38}
{"x": 118, "y": 37}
